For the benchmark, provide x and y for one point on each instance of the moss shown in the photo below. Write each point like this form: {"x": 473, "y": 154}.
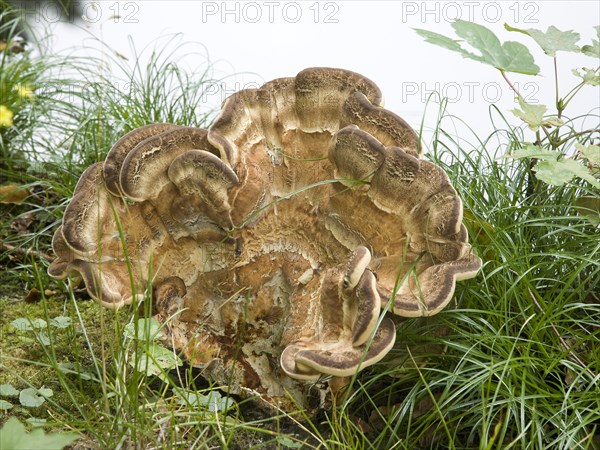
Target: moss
{"x": 26, "y": 362}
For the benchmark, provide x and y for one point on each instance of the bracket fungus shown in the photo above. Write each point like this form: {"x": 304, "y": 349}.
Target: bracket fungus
{"x": 277, "y": 241}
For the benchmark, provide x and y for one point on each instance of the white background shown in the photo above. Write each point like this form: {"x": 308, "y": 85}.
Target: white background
{"x": 263, "y": 40}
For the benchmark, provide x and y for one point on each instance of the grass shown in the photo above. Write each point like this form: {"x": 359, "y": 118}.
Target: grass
{"x": 516, "y": 365}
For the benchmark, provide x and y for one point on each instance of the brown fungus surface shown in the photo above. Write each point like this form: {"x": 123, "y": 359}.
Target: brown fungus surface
{"x": 274, "y": 239}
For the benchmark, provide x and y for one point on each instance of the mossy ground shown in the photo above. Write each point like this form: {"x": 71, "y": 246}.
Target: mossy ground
{"x": 25, "y": 360}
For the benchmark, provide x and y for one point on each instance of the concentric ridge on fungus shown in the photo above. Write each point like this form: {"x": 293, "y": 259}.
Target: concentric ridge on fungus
{"x": 273, "y": 239}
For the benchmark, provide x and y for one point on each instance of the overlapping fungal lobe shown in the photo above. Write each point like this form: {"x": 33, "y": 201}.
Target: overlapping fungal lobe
{"x": 123, "y": 232}
{"x": 274, "y": 239}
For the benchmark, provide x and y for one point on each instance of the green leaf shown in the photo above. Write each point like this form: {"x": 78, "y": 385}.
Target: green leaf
{"x": 518, "y": 59}
{"x": 509, "y": 57}
{"x": 61, "y": 322}
{"x": 552, "y": 168}
{"x": 14, "y": 436}
{"x": 533, "y": 115}
{"x": 147, "y": 330}
{"x": 155, "y": 360}
{"x": 45, "y": 392}
{"x": 39, "y": 324}
{"x": 35, "y": 422}
{"x": 7, "y": 390}
{"x": 553, "y": 40}
{"x": 594, "y": 49}
{"x": 559, "y": 172}
{"x": 285, "y": 441}
{"x": 483, "y": 39}
{"x": 518, "y": 30}
{"x": 43, "y": 337}
{"x": 23, "y": 324}
{"x": 590, "y": 152}
{"x": 75, "y": 368}
{"x": 532, "y": 151}
{"x": 30, "y": 398}
{"x": 4, "y": 405}
{"x": 440, "y": 40}
{"x": 213, "y": 401}
{"x": 589, "y": 76}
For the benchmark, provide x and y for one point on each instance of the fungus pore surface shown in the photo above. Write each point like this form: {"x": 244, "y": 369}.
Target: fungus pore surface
{"x": 278, "y": 242}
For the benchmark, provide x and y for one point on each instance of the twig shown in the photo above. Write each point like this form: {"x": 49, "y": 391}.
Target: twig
{"x": 579, "y": 133}
{"x": 26, "y": 251}
{"x": 512, "y": 86}
{"x": 566, "y": 347}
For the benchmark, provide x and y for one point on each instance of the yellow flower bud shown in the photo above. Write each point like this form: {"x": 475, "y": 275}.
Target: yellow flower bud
{"x": 6, "y": 117}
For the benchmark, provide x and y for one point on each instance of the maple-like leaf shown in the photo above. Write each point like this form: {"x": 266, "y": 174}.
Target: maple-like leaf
{"x": 591, "y": 152}
{"x": 552, "y": 40}
{"x": 509, "y": 56}
{"x": 561, "y": 171}
{"x": 552, "y": 167}
{"x": 588, "y": 76}
{"x": 593, "y": 49}
{"x": 533, "y": 115}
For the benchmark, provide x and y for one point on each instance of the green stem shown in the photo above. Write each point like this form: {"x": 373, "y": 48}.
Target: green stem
{"x": 571, "y": 94}
{"x": 512, "y": 86}
{"x": 579, "y": 133}
{"x": 559, "y": 106}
